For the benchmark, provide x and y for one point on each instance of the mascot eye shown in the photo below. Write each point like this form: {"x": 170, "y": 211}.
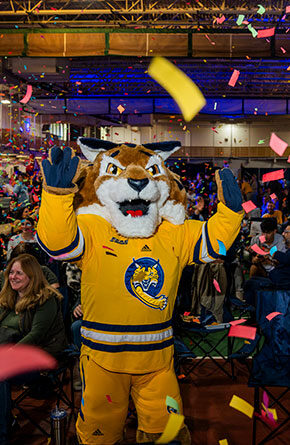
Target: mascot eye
{"x": 113, "y": 169}
{"x": 153, "y": 170}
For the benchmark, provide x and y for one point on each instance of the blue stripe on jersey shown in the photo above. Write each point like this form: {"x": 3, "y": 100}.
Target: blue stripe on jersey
{"x": 126, "y": 328}
{"x": 67, "y": 249}
{"x": 196, "y": 252}
{"x": 210, "y": 249}
{"x": 127, "y": 347}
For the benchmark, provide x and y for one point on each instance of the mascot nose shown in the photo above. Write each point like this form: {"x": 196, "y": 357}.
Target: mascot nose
{"x": 138, "y": 184}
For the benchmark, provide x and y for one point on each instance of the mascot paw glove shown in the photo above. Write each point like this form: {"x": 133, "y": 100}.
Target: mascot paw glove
{"x": 60, "y": 171}
{"x": 229, "y": 192}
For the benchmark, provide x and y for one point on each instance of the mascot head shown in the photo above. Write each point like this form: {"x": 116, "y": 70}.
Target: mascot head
{"x": 130, "y": 186}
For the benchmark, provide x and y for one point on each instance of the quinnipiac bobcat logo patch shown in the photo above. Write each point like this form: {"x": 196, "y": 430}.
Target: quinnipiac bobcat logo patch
{"x": 144, "y": 279}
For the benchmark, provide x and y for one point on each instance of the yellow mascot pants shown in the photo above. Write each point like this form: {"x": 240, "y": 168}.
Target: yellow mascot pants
{"x": 105, "y": 398}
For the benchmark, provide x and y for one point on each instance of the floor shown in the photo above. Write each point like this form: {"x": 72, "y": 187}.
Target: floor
{"x": 206, "y": 396}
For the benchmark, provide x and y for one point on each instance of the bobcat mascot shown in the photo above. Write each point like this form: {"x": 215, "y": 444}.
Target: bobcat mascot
{"x": 122, "y": 220}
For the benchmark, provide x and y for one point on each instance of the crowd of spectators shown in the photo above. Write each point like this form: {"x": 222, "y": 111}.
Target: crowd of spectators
{"x": 266, "y": 226}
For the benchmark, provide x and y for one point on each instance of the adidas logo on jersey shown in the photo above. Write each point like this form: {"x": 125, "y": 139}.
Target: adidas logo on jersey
{"x": 98, "y": 432}
{"x": 145, "y": 249}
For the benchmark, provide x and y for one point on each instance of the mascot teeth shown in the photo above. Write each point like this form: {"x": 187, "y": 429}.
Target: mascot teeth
{"x": 131, "y": 187}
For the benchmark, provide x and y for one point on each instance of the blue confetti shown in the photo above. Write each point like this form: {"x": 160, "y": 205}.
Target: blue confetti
{"x": 222, "y": 248}
{"x": 273, "y": 250}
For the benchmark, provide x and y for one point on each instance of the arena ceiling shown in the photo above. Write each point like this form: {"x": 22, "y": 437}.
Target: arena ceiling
{"x": 264, "y": 74}
{"x": 186, "y": 14}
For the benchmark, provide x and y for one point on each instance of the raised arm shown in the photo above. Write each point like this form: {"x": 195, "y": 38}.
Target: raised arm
{"x": 57, "y": 230}
{"x": 223, "y": 227}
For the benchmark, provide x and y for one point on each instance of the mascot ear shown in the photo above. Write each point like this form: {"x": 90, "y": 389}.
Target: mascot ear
{"x": 164, "y": 149}
{"x": 92, "y": 147}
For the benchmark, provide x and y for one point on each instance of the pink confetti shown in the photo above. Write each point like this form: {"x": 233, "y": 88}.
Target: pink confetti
{"x": 288, "y": 160}
{"x": 288, "y": 9}
{"x": 220, "y": 20}
{"x": 236, "y": 322}
{"x": 28, "y": 94}
{"x": 243, "y": 332}
{"x": 265, "y": 33}
{"x": 109, "y": 398}
{"x": 265, "y": 399}
{"x": 213, "y": 43}
{"x": 273, "y": 176}
{"x": 20, "y": 359}
{"x": 283, "y": 49}
{"x": 234, "y": 78}
{"x": 248, "y": 206}
{"x": 262, "y": 239}
{"x": 277, "y": 144}
{"x": 186, "y": 314}
{"x": 273, "y": 196}
{"x": 273, "y": 315}
{"x": 216, "y": 285}
{"x": 258, "y": 250}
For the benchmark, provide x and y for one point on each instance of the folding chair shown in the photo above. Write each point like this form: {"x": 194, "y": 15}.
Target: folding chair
{"x": 271, "y": 366}
{"x": 202, "y": 344}
{"x": 207, "y": 336}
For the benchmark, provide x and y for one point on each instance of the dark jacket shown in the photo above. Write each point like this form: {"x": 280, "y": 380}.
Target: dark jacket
{"x": 280, "y": 276}
{"x": 42, "y": 326}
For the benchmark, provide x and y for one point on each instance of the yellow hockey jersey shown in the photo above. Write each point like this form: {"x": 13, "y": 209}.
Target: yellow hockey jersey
{"x": 129, "y": 285}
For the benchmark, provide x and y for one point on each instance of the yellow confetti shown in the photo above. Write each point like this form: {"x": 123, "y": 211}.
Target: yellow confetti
{"x": 242, "y": 405}
{"x": 223, "y": 442}
{"x": 185, "y": 93}
{"x": 172, "y": 428}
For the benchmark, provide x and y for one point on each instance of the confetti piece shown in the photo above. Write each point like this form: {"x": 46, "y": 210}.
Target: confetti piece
{"x": 234, "y": 78}
{"x": 242, "y": 405}
{"x": 222, "y": 248}
{"x": 172, "y": 428}
{"x": 223, "y": 442}
{"x": 240, "y": 19}
{"x": 261, "y": 141}
{"x": 109, "y": 398}
{"x": 20, "y": 359}
{"x": 181, "y": 376}
{"x": 213, "y": 43}
{"x": 261, "y": 10}
{"x": 252, "y": 30}
{"x": 258, "y": 250}
{"x": 277, "y": 144}
{"x": 265, "y": 399}
{"x": 186, "y": 314}
{"x": 273, "y": 315}
{"x": 216, "y": 285}
{"x": 288, "y": 160}
{"x": 283, "y": 49}
{"x": 236, "y": 322}
{"x": 288, "y": 9}
{"x": 248, "y": 206}
{"x": 172, "y": 404}
{"x": 27, "y": 96}
{"x": 220, "y": 20}
{"x": 262, "y": 33}
{"x": 262, "y": 239}
{"x": 185, "y": 93}
{"x": 120, "y": 108}
{"x": 273, "y": 196}
{"x": 248, "y": 332}
{"x": 273, "y": 176}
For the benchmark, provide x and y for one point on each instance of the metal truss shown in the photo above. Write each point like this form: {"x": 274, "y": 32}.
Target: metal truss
{"x": 172, "y": 14}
